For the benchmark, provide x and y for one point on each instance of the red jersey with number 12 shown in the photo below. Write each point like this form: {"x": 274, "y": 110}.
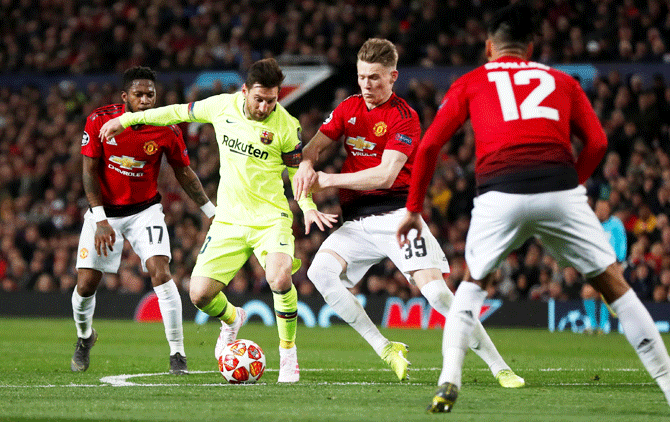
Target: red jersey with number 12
{"x": 523, "y": 116}
{"x": 131, "y": 161}
{"x": 366, "y": 134}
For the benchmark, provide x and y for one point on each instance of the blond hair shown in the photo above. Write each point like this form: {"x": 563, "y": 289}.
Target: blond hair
{"x": 378, "y": 50}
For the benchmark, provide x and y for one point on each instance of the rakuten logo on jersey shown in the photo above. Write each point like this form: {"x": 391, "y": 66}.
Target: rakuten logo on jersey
{"x": 239, "y": 147}
{"x": 127, "y": 163}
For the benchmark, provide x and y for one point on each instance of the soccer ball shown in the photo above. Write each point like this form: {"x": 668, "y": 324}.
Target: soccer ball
{"x": 242, "y": 362}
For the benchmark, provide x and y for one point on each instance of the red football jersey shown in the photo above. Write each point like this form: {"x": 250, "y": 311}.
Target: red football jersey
{"x": 523, "y": 115}
{"x": 366, "y": 134}
{"x": 131, "y": 160}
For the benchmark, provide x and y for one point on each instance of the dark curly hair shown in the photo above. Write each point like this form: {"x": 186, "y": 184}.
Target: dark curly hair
{"x": 135, "y": 73}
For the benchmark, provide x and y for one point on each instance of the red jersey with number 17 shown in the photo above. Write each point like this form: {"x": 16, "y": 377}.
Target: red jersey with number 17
{"x": 366, "y": 134}
{"x": 131, "y": 161}
{"x": 523, "y": 116}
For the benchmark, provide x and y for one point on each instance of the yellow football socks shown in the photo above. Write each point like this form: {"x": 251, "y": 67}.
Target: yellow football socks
{"x": 219, "y": 308}
{"x": 286, "y": 310}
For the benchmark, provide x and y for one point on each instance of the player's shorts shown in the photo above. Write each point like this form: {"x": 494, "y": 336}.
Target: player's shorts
{"x": 365, "y": 242}
{"x": 146, "y": 232}
{"x": 563, "y": 221}
{"x": 228, "y": 246}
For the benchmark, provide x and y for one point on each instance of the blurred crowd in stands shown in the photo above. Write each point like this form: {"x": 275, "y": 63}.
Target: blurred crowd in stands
{"x": 106, "y": 35}
{"x": 42, "y": 199}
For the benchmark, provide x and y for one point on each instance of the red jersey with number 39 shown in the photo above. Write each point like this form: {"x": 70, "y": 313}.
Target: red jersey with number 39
{"x": 523, "y": 116}
{"x": 366, "y": 134}
{"x": 130, "y": 162}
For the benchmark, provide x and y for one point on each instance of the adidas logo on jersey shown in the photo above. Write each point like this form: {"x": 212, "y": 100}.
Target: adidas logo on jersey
{"x": 112, "y": 142}
{"x": 352, "y": 121}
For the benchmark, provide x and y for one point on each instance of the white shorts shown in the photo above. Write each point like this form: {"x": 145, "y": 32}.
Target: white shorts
{"x": 365, "y": 242}
{"x": 563, "y": 221}
{"x": 146, "y": 232}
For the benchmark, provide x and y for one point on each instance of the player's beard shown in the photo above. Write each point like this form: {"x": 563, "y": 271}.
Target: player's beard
{"x": 132, "y": 110}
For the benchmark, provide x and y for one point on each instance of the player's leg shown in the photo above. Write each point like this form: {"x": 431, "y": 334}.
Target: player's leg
{"x": 435, "y": 290}
{"x": 222, "y": 255}
{"x": 423, "y": 262}
{"x": 90, "y": 267}
{"x": 494, "y": 232}
{"x": 83, "y": 307}
{"x": 274, "y": 246}
{"x": 278, "y": 270}
{"x": 578, "y": 239}
{"x": 147, "y": 234}
{"x": 169, "y": 302}
{"x": 325, "y": 272}
{"x": 343, "y": 259}
{"x": 638, "y": 326}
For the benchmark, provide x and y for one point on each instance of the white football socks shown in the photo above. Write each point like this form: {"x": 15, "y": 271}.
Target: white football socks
{"x": 642, "y": 334}
{"x": 458, "y": 329}
{"x": 82, "y": 311}
{"x": 169, "y": 303}
{"x": 325, "y": 275}
{"x": 440, "y": 298}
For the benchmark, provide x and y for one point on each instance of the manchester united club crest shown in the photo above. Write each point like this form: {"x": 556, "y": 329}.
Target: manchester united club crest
{"x": 379, "y": 128}
{"x": 83, "y": 253}
{"x": 151, "y": 148}
{"x": 266, "y": 137}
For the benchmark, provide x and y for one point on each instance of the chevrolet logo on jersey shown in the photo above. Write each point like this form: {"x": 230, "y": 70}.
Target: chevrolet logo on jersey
{"x": 360, "y": 143}
{"x": 127, "y": 162}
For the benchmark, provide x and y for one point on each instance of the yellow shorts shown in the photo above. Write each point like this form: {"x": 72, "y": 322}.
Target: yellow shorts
{"x": 228, "y": 246}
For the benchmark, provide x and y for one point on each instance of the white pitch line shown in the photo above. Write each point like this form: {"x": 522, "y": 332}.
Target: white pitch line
{"x": 123, "y": 379}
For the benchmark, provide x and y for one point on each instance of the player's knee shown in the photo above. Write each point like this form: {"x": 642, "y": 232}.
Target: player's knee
{"x": 158, "y": 268}
{"x": 160, "y": 277}
{"x": 280, "y": 282}
{"x": 324, "y": 270}
{"x": 87, "y": 281}
{"x": 610, "y": 283}
{"x": 199, "y": 297}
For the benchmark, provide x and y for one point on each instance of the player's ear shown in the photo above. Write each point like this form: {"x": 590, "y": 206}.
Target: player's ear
{"x": 529, "y": 51}
{"x": 394, "y": 76}
{"x": 124, "y": 96}
{"x": 489, "y": 49}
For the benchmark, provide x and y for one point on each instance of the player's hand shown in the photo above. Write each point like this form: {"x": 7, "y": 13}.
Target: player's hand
{"x": 321, "y": 219}
{"x": 110, "y": 129}
{"x": 303, "y": 179}
{"x": 105, "y": 236}
{"x": 412, "y": 220}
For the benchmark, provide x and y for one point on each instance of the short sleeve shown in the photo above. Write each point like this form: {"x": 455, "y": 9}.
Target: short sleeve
{"x": 91, "y": 146}
{"x": 177, "y": 153}
{"x": 404, "y": 135}
{"x": 333, "y": 126}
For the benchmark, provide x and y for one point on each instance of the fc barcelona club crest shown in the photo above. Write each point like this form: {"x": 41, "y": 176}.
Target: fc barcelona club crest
{"x": 151, "y": 148}
{"x": 379, "y": 129}
{"x": 266, "y": 137}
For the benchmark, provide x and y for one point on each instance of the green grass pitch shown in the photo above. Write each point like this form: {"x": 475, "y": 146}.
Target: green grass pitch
{"x": 570, "y": 377}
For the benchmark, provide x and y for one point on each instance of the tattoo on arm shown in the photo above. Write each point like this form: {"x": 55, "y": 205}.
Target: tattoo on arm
{"x": 191, "y": 184}
{"x": 91, "y": 181}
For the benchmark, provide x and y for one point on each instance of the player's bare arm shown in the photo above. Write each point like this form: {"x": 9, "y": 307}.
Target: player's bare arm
{"x": 381, "y": 176}
{"x": 306, "y": 176}
{"x": 105, "y": 236}
{"x": 412, "y": 220}
{"x": 191, "y": 184}
{"x": 110, "y": 129}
